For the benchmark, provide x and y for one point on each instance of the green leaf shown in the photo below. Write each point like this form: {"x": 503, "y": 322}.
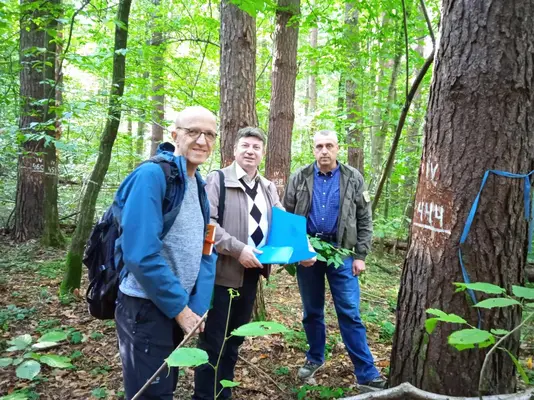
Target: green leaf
{"x": 28, "y": 370}
{"x": 99, "y": 393}
{"x": 499, "y": 331}
{"x": 43, "y": 345}
{"x": 487, "y": 343}
{"x": 519, "y": 367}
{"x": 430, "y": 324}
{"x": 260, "y": 329}
{"x": 484, "y": 287}
{"x": 461, "y": 347}
{"x": 497, "y": 302}
{"x": 436, "y": 312}
{"x": 469, "y": 336}
{"x": 15, "y": 396}
{"x": 55, "y": 336}
{"x": 56, "y": 361}
{"x": 187, "y": 357}
{"x": 20, "y": 342}
{"x": 17, "y": 361}
{"x": 320, "y": 257}
{"x": 523, "y": 292}
{"x": 5, "y": 362}
{"x": 229, "y": 384}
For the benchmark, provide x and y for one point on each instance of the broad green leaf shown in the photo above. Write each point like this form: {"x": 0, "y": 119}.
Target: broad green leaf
{"x": 56, "y": 336}
{"x": 55, "y": 361}
{"x": 523, "y": 292}
{"x": 187, "y": 357}
{"x": 15, "y": 396}
{"x": 519, "y": 367}
{"x": 4, "y": 362}
{"x": 259, "y": 329}
{"x": 430, "y": 324}
{"x": 436, "y": 312}
{"x": 228, "y": 384}
{"x": 20, "y": 342}
{"x": 469, "y": 336}
{"x": 484, "y": 287}
{"x": 499, "y": 332}
{"x": 461, "y": 347}
{"x": 320, "y": 257}
{"x": 17, "y": 361}
{"x": 497, "y": 302}
{"x": 43, "y": 345}
{"x": 487, "y": 343}
{"x": 28, "y": 369}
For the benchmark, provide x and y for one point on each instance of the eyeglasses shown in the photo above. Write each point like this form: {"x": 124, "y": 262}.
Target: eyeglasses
{"x": 195, "y": 134}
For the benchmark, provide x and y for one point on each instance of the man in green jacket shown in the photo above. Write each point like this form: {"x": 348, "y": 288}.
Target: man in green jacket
{"x": 333, "y": 198}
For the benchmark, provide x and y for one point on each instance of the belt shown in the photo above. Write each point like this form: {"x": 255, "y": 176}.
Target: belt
{"x": 327, "y": 237}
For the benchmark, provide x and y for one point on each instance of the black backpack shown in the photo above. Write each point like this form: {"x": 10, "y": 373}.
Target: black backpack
{"x": 99, "y": 254}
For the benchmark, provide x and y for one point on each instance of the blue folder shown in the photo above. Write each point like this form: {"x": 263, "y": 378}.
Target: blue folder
{"x": 287, "y": 242}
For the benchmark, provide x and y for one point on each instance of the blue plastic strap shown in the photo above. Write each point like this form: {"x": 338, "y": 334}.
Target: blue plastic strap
{"x": 472, "y": 213}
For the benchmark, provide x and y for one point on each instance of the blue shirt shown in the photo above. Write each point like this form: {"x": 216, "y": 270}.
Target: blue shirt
{"x": 325, "y": 202}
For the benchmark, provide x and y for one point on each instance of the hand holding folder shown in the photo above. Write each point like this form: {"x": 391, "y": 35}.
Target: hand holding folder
{"x": 287, "y": 241}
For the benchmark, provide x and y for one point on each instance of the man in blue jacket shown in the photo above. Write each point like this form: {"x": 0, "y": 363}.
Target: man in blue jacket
{"x": 168, "y": 282}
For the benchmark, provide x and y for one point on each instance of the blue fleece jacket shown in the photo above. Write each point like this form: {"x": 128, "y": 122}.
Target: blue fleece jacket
{"x": 138, "y": 209}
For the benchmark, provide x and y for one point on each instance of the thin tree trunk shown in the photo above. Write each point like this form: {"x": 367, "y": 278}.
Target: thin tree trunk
{"x": 72, "y": 277}
{"x": 312, "y": 80}
{"x": 282, "y": 108}
{"x": 480, "y": 117}
{"x": 354, "y": 134}
{"x": 158, "y": 84}
{"x": 237, "y": 76}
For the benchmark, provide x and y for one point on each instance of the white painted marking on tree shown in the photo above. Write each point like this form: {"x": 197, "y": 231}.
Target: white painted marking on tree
{"x": 431, "y": 228}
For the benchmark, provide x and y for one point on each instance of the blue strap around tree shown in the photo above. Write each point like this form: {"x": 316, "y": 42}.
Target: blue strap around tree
{"x": 473, "y": 211}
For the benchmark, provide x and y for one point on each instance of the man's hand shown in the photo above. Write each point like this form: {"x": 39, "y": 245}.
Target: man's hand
{"x": 187, "y": 320}
{"x": 248, "y": 259}
{"x": 309, "y": 262}
{"x": 358, "y": 266}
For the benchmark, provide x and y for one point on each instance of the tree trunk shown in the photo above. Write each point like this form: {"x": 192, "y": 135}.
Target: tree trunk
{"x": 141, "y": 126}
{"x": 158, "y": 85}
{"x": 282, "y": 108}
{"x": 312, "y": 79}
{"x": 36, "y": 213}
{"x": 83, "y": 228}
{"x": 354, "y": 133}
{"x": 480, "y": 116}
{"x": 238, "y": 76}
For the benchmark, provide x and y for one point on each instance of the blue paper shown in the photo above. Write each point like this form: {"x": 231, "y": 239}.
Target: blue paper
{"x": 275, "y": 255}
{"x": 286, "y": 230}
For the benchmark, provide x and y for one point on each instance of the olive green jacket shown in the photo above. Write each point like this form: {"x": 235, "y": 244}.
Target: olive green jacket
{"x": 355, "y": 225}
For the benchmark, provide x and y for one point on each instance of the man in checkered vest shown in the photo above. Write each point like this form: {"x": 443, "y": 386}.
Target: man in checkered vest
{"x": 240, "y": 232}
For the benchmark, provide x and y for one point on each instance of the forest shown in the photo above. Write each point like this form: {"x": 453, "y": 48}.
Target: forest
{"x": 432, "y": 101}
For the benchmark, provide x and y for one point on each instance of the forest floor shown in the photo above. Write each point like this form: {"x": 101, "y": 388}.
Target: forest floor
{"x": 29, "y": 304}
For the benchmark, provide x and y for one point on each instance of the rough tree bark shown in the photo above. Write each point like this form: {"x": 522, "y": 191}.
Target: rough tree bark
{"x": 354, "y": 133}
{"x": 158, "y": 82}
{"x": 36, "y": 213}
{"x": 480, "y": 117}
{"x": 238, "y": 76}
{"x": 282, "y": 108}
{"x": 73, "y": 273}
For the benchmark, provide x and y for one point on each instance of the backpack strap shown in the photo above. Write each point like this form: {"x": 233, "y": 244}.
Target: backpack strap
{"x": 222, "y": 197}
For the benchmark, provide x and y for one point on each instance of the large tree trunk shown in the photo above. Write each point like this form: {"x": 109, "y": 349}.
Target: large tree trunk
{"x": 83, "y": 228}
{"x": 158, "y": 84}
{"x": 354, "y": 133}
{"x": 282, "y": 108}
{"x": 238, "y": 76}
{"x": 36, "y": 213}
{"x": 480, "y": 117}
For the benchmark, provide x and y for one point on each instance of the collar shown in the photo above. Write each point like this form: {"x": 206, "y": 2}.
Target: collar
{"x": 241, "y": 173}
{"x": 318, "y": 172}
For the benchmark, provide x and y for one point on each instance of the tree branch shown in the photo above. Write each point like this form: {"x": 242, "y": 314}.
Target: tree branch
{"x": 400, "y": 125}
{"x": 428, "y": 23}
{"x": 407, "y": 391}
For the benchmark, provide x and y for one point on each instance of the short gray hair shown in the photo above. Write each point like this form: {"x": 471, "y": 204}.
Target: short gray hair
{"x": 250, "y": 131}
{"x": 325, "y": 134}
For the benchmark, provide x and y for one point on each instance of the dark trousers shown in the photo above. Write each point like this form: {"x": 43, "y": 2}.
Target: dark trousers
{"x": 146, "y": 337}
{"x": 212, "y": 338}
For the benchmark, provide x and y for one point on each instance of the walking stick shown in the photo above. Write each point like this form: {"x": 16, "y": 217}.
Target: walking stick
{"x": 162, "y": 367}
